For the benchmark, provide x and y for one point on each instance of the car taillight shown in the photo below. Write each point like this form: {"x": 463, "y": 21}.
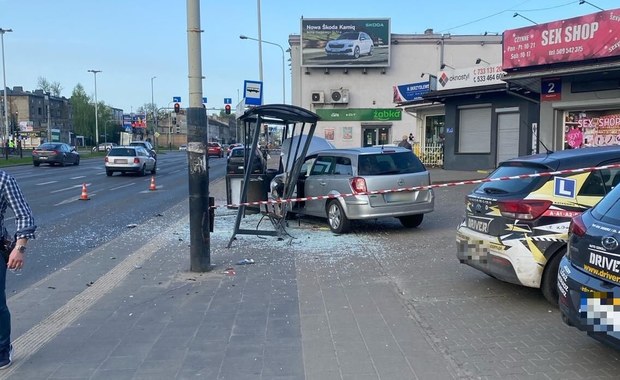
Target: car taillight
{"x": 55, "y": 152}
{"x": 576, "y": 226}
{"x": 358, "y": 184}
{"x": 136, "y": 160}
{"x": 523, "y": 209}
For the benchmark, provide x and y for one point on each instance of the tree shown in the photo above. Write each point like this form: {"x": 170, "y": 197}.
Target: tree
{"x": 53, "y": 88}
{"x": 83, "y": 112}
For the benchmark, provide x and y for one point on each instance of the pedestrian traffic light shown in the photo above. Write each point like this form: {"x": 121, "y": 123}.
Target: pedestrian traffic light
{"x": 227, "y": 109}
{"x": 177, "y": 108}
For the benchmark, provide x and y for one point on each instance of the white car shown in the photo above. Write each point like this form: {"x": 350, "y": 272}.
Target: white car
{"x": 351, "y": 44}
{"x": 130, "y": 159}
{"x": 105, "y": 147}
{"x": 183, "y": 147}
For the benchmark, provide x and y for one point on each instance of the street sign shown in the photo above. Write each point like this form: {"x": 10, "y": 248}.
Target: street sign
{"x": 176, "y": 99}
{"x": 227, "y": 100}
{"x": 204, "y": 100}
{"x": 253, "y": 92}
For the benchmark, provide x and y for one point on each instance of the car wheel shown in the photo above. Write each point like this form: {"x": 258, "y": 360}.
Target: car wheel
{"x": 36, "y": 163}
{"x": 370, "y": 51}
{"x": 109, "y": 173}
{"x": 62, "y": 162}
{"x": 549, "y": 281}
{"x": 356, "y": 52}
{"x": 142, "y": 171}
{"x": 154, "y": 170}
{"x": 411, "y": 221}
{"x": 338, "y": 221}
{"x": 77, "y": 161}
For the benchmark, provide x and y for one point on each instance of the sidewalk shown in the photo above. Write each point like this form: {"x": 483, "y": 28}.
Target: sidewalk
{"x": 304, "y": 310}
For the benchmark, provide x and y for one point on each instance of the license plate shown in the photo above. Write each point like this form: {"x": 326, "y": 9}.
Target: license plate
{"x": 42, "y": 158}
{"x": 401, "y": 196}
{"x": 120, "y": 161}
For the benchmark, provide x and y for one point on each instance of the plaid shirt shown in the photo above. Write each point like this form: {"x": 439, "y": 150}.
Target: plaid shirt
{"x": 11, "y": 196}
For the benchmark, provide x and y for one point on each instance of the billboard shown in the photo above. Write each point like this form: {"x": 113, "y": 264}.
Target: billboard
{"x": 345, "y": 42}
{"x": 479, "y": 75}
{"x": 592, "y": 36}
{"x": 410, "y": 92}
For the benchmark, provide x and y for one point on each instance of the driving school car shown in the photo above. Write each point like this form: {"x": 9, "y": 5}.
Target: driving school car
{"x": 516, "y": 230}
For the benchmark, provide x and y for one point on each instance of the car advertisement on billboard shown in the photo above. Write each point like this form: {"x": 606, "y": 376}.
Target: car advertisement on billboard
{"x": 581, "y": 38}
{"x": 345, "y": 42}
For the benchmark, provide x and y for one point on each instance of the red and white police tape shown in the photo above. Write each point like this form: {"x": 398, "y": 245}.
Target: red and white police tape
{"x": 449, "y": 184}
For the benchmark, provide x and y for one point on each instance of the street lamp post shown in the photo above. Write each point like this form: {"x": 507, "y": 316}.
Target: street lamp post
{"x": 283, "y": 66}
{"x": 96, "y": 112}
{"x": 6, "y": 110}
{"x": 153, "y": 109}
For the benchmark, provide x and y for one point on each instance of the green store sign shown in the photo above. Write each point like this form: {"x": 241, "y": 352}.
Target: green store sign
{"x": 360, "y": 114}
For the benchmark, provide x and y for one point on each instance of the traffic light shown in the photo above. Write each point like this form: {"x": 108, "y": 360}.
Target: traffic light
{"x": 177, "y": 108}
{"x": 227, "y": 109}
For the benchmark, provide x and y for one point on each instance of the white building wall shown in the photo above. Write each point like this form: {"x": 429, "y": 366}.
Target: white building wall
{"x": 372, "y": 87}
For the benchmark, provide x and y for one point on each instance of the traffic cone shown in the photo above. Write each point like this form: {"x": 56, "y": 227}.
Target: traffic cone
{"x": 152, "y": 187}
{"x": 84, "y": 196}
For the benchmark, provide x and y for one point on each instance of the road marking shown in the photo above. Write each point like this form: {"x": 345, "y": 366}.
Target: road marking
{"x": 78, "y": 177}
{"x": 45, "y": 183}
{"x": 38, "y": 336}
{"x": 120, "y": 187}
{"x": 68, "y": 188}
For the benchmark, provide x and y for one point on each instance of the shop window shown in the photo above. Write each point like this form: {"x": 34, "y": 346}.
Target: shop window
{"x": 474, "y": 130}
{"x": 435, "y": 129}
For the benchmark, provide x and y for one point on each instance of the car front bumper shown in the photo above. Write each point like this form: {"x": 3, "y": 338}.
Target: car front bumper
{"x": 587, "y": 303}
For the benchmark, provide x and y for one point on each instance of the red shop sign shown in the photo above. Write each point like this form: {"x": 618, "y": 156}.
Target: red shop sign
{"x": 596, "y": 35}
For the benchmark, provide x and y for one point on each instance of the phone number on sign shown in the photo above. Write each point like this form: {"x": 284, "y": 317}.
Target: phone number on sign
{"x": 566, "y": 50}
{"x": 488, "y": 78}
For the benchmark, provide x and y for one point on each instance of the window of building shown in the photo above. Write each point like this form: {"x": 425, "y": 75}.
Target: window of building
{"x": 435, "y": 128}
{"x": 474, "y": 133}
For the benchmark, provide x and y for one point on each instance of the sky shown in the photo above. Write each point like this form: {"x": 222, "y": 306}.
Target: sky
{"x": 131, "y": 41}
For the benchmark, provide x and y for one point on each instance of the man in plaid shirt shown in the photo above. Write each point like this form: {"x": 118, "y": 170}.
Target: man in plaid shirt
{"x": 11, "y": 196}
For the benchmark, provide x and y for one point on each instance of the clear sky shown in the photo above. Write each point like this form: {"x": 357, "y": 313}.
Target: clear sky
{"x": 131, "y": 41}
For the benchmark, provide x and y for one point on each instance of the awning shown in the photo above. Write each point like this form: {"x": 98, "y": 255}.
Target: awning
{"x": 441, "y": 95}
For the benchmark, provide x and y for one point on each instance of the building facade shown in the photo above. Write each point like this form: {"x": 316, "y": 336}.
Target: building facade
{"x": 36, "y": 116}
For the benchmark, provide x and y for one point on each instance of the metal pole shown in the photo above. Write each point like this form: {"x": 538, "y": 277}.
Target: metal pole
{"x": 96, "y": 110}
{"x": 199, "y": 210}
{"x": 4, "y": 92}
{"x": 243, "y": 37}
{"x": 260, "y": 45}
{"x": 49, "y": 128}
{"x": 154, "y": 110}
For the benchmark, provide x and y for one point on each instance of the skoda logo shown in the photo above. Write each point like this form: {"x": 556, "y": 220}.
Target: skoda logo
{"x": 400, "y": 182}
{"x": 609, "y": 243}
{"x": 478, "y": 208}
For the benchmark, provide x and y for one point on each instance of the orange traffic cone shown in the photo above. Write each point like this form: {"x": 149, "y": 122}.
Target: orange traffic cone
{"x": 84, "y": 196}
{"x": 152, "y": 187}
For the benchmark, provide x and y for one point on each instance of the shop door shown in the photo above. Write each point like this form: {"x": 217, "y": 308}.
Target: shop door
{"x": 376, "y": 136}
{"x": 507, "y": 136}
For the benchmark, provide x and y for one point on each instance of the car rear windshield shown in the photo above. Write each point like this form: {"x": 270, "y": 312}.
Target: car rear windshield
{"x": 238, "y": 153}
{"x": 513, "y": 186}
{"x": 122, "y": 152}
{"x": 49, "y": 147}
{"x": 389, "y": 163}
{"x": 608, "y": 209}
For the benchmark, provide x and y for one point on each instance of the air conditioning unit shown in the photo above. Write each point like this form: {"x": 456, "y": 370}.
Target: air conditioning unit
{"x": 339, "y": 96}
{"x": 318, "y": 97}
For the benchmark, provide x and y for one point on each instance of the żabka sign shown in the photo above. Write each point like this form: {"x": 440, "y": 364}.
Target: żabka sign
{"x": 596, "y": 35}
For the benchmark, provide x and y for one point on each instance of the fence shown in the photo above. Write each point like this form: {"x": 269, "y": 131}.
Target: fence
{"x": 429, "y": 154}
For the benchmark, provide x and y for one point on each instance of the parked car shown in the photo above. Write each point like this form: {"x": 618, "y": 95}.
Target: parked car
{"x": 146, "y": 145}
{"x": 183, "y": 147}
{"x": 589, "y": 274}
{"x": 516, "y": 230}
{"x": 358, "y": 171}
{"x": 352, "y": 44}
{"x": 55, "y": 153}
{"x": 130, "y": 159}
{"x": 236, "y": 161}
{"x": 105, "y": 147}
{"x": 231, "y": 147}
{"x": 215, "y": 149}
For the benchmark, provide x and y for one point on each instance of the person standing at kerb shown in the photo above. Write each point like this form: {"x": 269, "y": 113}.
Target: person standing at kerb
{"x": 13, "y": 249}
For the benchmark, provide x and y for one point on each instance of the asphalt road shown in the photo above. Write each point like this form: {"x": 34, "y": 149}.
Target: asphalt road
{"x": 68, "y": 227}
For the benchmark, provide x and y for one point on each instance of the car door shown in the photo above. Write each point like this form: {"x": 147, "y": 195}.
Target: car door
{"x": 317, "y": 184}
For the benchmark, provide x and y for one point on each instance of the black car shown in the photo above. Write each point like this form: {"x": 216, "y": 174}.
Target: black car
{"x": 516, "y": 230}
{"x": 146, "y": 145}
{"x": 237, "y": 157}
{"x": 55, "y": 154}
{"x": 589, "y": 273}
